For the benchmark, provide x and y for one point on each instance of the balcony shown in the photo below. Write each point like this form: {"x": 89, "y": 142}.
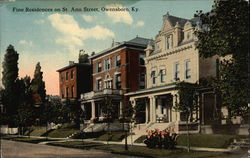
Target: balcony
{"x": 102, "y": 93}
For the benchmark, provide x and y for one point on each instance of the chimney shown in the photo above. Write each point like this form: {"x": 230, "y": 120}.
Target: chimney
{"x": 71, "y": 62}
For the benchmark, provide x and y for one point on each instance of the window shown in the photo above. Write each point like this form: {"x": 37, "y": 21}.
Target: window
{"x": 107, "y": 64}
{"x": 187, "y": 69}
{"x": 118, "y": 81}
{"x": 67, "y": 76}
{"x": 153, "y": 77}
{"x": 72, "y": 74}
{"x": 142, "y": 80}
{"x": 188, "y": 35}
{"x": 169, "y": 42}
{"x": 99, "y": 66}
{"x": 108, "y": 84}
{"x": 163, "y": 75}
{"x": 72, "y": 91}
{"x": 62, "y": 93}
{"x": 99, "y": 84}
{"x": 157, "y": 45}
{"x": 67, "y": 92}
{"x": 118, "y": 61}
{"x": 61, "y": 78}
{"x": 176, "y": 71}
{"x": 141, "y": 58}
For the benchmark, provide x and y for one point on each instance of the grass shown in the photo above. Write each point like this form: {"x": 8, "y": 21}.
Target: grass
{"x": 208, "y": 141}
{"x": 38, "y": 131}
{"x": 76, "y": 144}
{"x": 142, "y": 151}
{"x": 114, "y": 136}
{"x": 29, "y": 140}
{"x": 63, "y": 132}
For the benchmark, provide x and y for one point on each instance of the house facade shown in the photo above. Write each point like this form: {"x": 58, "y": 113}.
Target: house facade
{"x": 74, "y": 80}
{"x": 116, "y": 71}
{"x": 172, "y": 58}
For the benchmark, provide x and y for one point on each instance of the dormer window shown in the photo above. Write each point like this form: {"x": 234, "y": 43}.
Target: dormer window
{"x": 157, "y": 45}
{"x": 169, "y": 42}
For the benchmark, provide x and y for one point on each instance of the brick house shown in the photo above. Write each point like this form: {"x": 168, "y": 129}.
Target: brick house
{"x": 74, "y": 79}
{"x": 116, "y": 71}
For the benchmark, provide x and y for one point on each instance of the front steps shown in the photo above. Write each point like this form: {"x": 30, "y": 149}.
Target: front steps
{"x": 140, "y": 130}
{"x": 240, "y": 144}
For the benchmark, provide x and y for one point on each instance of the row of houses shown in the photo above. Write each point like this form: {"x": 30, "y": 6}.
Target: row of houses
{"x": 146, "y": 71}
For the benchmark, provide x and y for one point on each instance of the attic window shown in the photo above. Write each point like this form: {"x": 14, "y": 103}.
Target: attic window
{"x": 169, "y": 42}
{"x": 187, "y": 35}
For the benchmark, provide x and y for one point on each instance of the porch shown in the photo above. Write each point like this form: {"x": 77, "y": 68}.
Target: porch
{"x": 96, "y": 104}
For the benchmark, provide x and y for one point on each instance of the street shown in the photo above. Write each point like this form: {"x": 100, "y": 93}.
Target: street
{"x": 13, "y": 149}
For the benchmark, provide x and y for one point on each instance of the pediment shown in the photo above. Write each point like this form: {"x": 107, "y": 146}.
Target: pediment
{"x": 166, "y": 26}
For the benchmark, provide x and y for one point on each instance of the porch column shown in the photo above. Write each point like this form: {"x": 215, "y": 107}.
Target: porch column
{"x": 120, "y": 108}
{"x": 203, "y": 111}
{"x": 153, "y": 113}
{"x": 92, "y": 110}
{"x": 146, "y": 111}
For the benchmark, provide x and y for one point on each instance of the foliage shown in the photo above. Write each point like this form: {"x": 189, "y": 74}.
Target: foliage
{"x": 54, "y": 111}
{"x": 165, "y": 138}
{"x": 83, "y": 58}
{"x": 234, "y": 88}
{"x": 128, "y": 112}
{"x": 109, "y": 109}
{"x": 37, "y": 84}
{"x": 187, "y": 97}
{"x": 139, "y": 113}
{"x": 9, "y": 80}
{"x": 225, "y": 31}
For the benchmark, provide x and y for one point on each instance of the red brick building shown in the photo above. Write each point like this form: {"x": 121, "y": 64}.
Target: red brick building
{"x": 116, "y": 71}
{"x": 75, "y": 79}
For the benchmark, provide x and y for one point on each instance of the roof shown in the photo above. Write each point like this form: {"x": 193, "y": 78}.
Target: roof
{"x": 174, "y": 19}
{"x": 181, "y": 21}
{"x": 136, "y": 42}
{"x": 73, "y": 65}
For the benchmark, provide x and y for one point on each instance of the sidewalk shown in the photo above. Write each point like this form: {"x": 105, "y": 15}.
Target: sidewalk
{"x": 122, "y": 143}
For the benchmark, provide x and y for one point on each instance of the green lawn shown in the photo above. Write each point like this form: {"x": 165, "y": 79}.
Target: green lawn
{"x": 144, "y": 151}
{"x": 62, "y": 132}
{"x": 38, "y": 131}
{"x": 76, "y": 144}
{"x": 29, "y": 140}
{"x": 209, "y": 141}
{"x": 114, "y": 136}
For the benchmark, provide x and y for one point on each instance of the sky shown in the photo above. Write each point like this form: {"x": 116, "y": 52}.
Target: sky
{"x": 55, "y": 36}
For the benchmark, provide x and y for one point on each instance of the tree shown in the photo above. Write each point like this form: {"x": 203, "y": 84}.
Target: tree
{"x": 187, "y": 103}
{"x": 37, "y": 84}
{"x": 9, "y": 80}
{"x": 139, "y": 112}
{"x": 225, "y": 31}
{"x": 83, "y": 57}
